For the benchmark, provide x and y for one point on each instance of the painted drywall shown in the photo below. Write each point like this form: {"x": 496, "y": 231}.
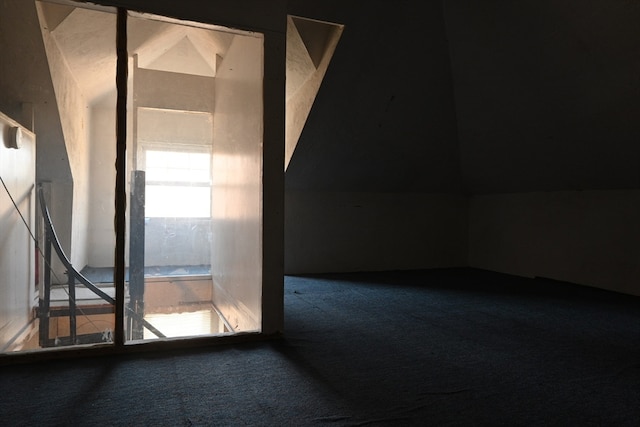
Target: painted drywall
{"x": 102, "y": 238}
{"x": 180, "y": 111}
{"x": 25, "y": 81}
{"x": 542, "y": 97}
{"x": 153, "y": 88}
{"x": 236, "y": 251}
{"x": 586, "y": 237}
{"x": 17, "y": 249}
{"x": 343, "y": 232}
{"x": 74, "y": 117}
{"x": 547, "y": 103}
{"x": 304, "y": 73}
{"x": 374, "y": 181}
{"x": 177, "y": 241}
{"x": 159, "y": 124}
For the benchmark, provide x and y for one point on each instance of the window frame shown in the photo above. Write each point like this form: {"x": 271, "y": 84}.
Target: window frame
{"x": 146, "y": 146}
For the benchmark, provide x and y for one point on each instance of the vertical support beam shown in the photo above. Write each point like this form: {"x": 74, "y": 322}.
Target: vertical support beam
{"x": 273, "y": 183}
{"x": 45, "y": 299}
{"x": 72, "y": 307}
{"x": 122, "y": 71}
{"x": 134, "y": 326}
{"x": 136, "y": 255}
{"x": 134, "y": 115}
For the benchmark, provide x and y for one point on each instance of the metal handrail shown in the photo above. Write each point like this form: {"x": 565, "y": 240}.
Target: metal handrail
{"x": 73, "y": 274}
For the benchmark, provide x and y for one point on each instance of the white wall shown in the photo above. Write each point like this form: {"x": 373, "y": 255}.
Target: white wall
{"x": 74, "y": 117}
{"x": 304, "y": 80}
{"x": 547, "y": 105}
{"x": 102, "y": 238}
{"x": 343, "y": 232}
{"x": 17, "y": 261}
{"x": 585, "y": 237}
{"x": 157, "y": 126}
{"x": 236, "y": 262}
{"x": 25, "y": 79}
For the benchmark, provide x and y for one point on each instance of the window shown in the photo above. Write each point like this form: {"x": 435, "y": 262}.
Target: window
{"x": 178, "y": 183}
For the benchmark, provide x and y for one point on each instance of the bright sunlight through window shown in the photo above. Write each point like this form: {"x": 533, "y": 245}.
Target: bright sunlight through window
{"x": 178, "y": 184}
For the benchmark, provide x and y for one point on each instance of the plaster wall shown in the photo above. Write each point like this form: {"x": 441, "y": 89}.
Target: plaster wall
{"x": 585, "y": 237}
{"x": 374, "y": 182}
{"x": 174, "y": 241}
{"x": 17, "y": 249}
{"x": 102, "y": 238}
{"x": 158, "y": 127}
{"x": 178, "y": 241}
{"x": 74, "y": 118}
{"x": 169, "y": 241}
{"x": 534, "y": 119}
{"x": 236, "y": 252}
{"x": 382, "y": 121}
{"x": 27, "y": 95}
{"x": 547, "y": 102}
{"x": 303, "y": 81}
{"x": 157, "y": 89}
{"x": 344, "y": 232}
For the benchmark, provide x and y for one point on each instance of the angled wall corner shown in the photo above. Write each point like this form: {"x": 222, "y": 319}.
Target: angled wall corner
{"x": 310, "y": 47}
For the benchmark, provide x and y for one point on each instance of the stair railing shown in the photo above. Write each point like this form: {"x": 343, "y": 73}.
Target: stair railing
{"x": 73, "y": 276}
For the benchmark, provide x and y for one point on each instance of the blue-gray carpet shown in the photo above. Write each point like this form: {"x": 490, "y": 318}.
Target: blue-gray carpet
{"x": 429, "y": 348}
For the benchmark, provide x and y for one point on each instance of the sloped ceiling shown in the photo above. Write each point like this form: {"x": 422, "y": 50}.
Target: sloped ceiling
{"x": 25, "y": 79}
{"x": 476, "y": 97}
{"x": 547, "y": 93}
{"x": 300, "y": 66}
{"x": 315, "y": 35}
{"x": 384, "y": 118}
{"x": 87, "y": 37}
{"x": 310, "y": 48}
{"x": 460, "y": 96}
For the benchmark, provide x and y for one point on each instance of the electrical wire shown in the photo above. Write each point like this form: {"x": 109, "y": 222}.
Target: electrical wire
{"x": 15, "y": 205}
{"x": 48, "y": 265}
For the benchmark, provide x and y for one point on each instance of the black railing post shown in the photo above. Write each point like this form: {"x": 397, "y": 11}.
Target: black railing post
{"x": 72, "y": 306}
{"x": 119, "y": 270}
{"x": 136, "y": 254}
{"x": 51, "y": 241}
{"x": 45, "y": 301}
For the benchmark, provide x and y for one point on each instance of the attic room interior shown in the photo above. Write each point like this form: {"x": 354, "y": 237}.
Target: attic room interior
{"x": 343, "y": 180}
{"x": 194, "y": 208}
{"x": 170, "y": 163}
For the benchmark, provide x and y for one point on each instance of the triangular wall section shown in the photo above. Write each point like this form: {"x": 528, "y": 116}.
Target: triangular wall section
{"x": 305, "y": 72}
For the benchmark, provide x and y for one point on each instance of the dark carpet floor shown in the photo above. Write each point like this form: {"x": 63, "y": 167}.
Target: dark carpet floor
{"x": 424, "y": 348}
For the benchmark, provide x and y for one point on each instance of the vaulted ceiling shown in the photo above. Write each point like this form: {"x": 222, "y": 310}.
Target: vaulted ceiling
{"x": 456, "y": 96}
{"x": 475, "y": 97}
{"x": 86, "y": 39}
